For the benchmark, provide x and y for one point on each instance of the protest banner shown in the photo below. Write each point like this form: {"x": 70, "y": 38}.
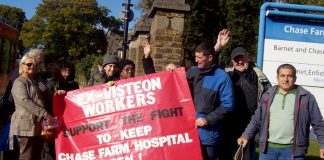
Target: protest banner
{"x": 150, "y": 117}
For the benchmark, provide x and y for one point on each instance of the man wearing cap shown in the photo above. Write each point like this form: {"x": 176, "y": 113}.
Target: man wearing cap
{"x": 110, "y": 68}
{"x": 249, "y": 84}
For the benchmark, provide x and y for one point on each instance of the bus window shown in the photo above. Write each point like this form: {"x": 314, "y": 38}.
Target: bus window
{"x": 8, "y": 53}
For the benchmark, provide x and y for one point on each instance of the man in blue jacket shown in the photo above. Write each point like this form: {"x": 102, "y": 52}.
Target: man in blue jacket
{"x": 283, "y": 119}
{"x": 212, "y": 93}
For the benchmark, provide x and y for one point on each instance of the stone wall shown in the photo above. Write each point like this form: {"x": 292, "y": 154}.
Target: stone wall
{"x": 135, "y": 52}
{"x": 166, "y": 38}
{"x": 164, "y": 33}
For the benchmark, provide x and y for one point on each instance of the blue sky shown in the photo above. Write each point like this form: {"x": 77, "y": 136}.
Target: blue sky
{"x": 29, "y": 6}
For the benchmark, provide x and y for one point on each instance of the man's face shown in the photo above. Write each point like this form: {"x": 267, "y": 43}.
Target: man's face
{"x": 286, "y": 79}
{"x": 241, "y": 63}
{"x": 110, "y": 69}
{"x": 203, "y": 61}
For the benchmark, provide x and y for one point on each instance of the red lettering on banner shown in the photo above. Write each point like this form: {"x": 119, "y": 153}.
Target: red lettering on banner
{"x": 92, "y": 127}
{"x": 165, "y": 113}
{"x": 134, "y": 118}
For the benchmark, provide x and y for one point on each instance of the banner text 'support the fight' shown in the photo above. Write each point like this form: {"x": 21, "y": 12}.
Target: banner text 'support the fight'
{"x": 147, "y": 117}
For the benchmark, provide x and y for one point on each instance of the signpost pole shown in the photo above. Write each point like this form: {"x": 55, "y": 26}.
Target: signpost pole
{"x": 127, "y": 18}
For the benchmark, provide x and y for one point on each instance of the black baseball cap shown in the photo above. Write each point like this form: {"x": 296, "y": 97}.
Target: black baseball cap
{"x": 238, "y": 51}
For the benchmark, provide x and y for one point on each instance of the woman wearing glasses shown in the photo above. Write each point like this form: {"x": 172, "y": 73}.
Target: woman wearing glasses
{"x": 29, "y": 96}
{"x": 127, "y": 69}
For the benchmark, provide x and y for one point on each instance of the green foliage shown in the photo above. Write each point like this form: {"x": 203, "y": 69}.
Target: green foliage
{"x": 243, "y": 23}
{"x": 32, "y": 31}
{"x": 13, "y": 16}
{"x": 145, "y": 5}
{"x": 202, "y": 23}
{"x": 84, "y": 66}
{"x": 207, "y": 18}
{"x": 313, "y": 150}
{"x": 69, "y": 28}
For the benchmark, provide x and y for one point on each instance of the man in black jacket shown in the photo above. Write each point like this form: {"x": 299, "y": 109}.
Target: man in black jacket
{"x": 249, "y": 83}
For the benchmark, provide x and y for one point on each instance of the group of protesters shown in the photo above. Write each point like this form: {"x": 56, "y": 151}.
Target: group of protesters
{"x": 232, "y": 105}
{"x": 30, "y": 94}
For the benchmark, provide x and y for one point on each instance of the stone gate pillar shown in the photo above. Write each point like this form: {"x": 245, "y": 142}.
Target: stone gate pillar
{"x": 141, "y": 33}
{"x": 166, "y": 31}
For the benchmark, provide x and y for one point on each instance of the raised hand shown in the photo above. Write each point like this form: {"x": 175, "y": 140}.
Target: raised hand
{"x": 147, "y": 49}
{"x": 222, "y": 39}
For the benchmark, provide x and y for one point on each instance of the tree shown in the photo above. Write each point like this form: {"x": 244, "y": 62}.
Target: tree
{"x": 207, "y": 18}
{"x": 70, "y": 29}
{"x": 83, "y": 68}
{"x": 145, "y": 5}
{"x": 32, "y": 31}
{"x": 202, "y": 23}
{"x": 15, "y": 17}
{"x": 242, "y": 18}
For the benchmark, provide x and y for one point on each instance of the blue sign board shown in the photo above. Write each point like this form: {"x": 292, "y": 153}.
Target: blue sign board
{"x": 294, "y": 34}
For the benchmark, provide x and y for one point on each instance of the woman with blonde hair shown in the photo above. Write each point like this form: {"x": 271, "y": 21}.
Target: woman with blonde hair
{"x": 29, "y": 95}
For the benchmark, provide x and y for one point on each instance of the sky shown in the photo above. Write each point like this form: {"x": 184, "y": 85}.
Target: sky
{"x": 29, "y": 7}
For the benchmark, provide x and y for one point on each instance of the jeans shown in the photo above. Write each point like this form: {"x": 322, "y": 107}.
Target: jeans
{"x": 279, "y": 154}
{"x": 210, "y": 152}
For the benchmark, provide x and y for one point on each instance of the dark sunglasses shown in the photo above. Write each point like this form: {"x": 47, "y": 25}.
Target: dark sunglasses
{"x": 29, "y": 64}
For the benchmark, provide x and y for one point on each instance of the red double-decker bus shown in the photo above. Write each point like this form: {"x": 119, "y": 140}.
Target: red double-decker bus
{"x": 9, "y": 39}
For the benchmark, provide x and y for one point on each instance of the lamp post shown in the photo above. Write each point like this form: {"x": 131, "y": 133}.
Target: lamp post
{"x": 128, "y": 16}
